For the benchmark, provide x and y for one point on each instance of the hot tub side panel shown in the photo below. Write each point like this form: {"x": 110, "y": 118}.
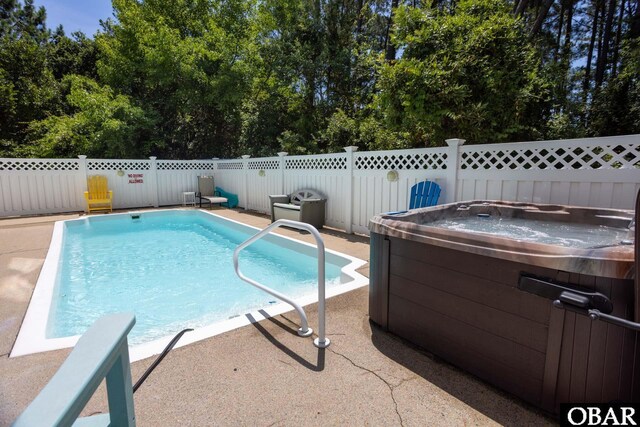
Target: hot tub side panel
{"x": 467, "y": 309}
{"x": 593, "y": 361}
{"x": 379, "y": 279}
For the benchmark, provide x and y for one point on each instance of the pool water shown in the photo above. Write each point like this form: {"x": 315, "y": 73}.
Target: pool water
{"x": 573, "y": 235}
{"x": 173, "y": 270}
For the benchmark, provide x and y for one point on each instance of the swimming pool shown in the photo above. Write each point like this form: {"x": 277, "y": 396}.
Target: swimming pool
{"x": 174, "y": 270}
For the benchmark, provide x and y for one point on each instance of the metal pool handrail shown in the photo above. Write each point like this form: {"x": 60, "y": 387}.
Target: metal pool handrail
{"x": 304, "y": 330}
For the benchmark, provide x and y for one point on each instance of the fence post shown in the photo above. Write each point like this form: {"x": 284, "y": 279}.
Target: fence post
{"x": 245, "y": 179}
{"x": 82, "y": 177}
{"x": 215, "y": 165}
{"x": 153, "y": 174}
{"x": 283, "y": 164}
{"x": 348, "y": 206}
{"x": 451, "y": 189}
{"x": 213, "y": 171}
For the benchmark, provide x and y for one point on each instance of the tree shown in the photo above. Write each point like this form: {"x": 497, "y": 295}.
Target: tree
{"x": 187, "y": 62}
{"x": 616, "y": 106}
{"x": 23, "y": 22}
{"x": 102, "y": 124}
{"x": 75, "y": 55}
{"x": 471, "y": 73}
{"x": 29, "y": 88}
{"x": 221, "y": 78}
{"x": 317, "y": 65}
{"x": 33, "y": 62}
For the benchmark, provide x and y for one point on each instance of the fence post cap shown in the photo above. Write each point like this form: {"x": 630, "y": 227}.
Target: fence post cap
{"x": 350, "y": 149}
{"x": 82, "y": 156}
{"x": 282, "y": 153}
{"x": 455, "y": 142}
{"x": 152, "y": 157}
{"x": 245, "y": 156}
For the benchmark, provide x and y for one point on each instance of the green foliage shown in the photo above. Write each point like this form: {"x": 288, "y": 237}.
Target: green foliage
{"x": 364, "y": 132}
{"x": 315, "y": 65}
{"x": 18, "y": 21}
{"x": 616, "y": 107}
{"x": 187, "y": 61}
{"x": 222, "y": 78}
{"x": 265, "y": 115}
{"x": 76, "y": 55}
{"x": 33, "y": 63}
{"x": 104, "y": 124}
{"x": 28, "y": 88}
{"x": 341, "y": 131}
{"x": 468, "y": 74}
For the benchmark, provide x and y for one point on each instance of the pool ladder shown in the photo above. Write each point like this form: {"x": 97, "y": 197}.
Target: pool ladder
{"x": 304, "y": 331}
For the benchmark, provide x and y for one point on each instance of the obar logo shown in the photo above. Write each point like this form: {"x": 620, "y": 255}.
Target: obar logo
{"x": 614, "y": 414}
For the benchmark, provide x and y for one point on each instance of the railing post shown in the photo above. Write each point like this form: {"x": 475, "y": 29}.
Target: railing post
{"x": 120, "y": 391}
{"x": 453, "y": 156}
{"x": 153, "y": 172}
{"x": 82, "y": 178}
{"x": 348, "y": 208}
{"x": 101, "y": 352}
{"x": 245, "y": 180}
{"x": 283, "y": 164}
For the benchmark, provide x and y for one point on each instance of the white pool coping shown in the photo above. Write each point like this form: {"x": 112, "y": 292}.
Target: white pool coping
{"x": 32, "y": 335}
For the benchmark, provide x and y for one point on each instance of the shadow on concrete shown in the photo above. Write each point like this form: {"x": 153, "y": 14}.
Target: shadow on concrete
{"x": 453, "y": 380}
{"x": 353, "y": 238}
{"x": 357, "y": 238}
{"x": 320, "y": 361}
{"x": 250, "y": 213}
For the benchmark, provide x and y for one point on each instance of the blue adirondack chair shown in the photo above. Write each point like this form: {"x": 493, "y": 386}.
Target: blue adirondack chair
{"x": 423, "y": 194}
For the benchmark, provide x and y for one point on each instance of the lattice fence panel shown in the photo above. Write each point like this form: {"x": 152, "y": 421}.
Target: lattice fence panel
{"x": 433, "y": 159}
{"x": 229, "y": 165}
{"x": 571, "y": 157}
{"x": 114, "y": 165}
{"x": 185, "y": 165}
{"x": 266, "y": 164}
{"x": 317, "y": 163}
{"x": 38, "y": 165}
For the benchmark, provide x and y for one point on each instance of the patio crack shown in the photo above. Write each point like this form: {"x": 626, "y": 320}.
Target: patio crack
{"x": 391, "y": 386}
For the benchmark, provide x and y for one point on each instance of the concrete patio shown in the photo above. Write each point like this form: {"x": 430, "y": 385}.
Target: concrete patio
{"x": 262, "y": 374}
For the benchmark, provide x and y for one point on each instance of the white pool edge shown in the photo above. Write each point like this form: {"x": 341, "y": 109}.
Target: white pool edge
{"x": 32, "y": 335}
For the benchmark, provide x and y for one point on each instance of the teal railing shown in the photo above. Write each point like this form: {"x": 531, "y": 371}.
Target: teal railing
{"x": 102, "y": 352}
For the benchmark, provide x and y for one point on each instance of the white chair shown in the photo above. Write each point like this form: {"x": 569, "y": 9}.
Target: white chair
{"x": 207, "y": 192}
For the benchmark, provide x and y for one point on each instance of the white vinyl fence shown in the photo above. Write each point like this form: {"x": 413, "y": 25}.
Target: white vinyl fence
{"x": 38, "y": 186}
{"x": 597, "y": 172}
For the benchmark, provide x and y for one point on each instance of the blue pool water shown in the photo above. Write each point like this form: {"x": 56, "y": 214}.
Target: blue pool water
{"x": 172, "y": 269}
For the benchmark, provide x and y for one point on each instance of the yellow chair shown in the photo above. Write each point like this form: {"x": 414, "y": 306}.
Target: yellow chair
{"x": 99, "y": 197}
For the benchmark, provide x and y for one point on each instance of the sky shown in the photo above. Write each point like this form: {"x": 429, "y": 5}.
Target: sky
{"x": 76, "y": 15}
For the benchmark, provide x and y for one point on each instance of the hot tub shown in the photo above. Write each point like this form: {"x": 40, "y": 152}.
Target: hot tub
{"x": 510, "y": 309}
